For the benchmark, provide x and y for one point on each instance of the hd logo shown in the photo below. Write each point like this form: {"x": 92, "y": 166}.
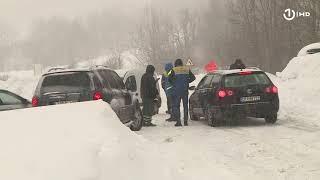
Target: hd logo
{"x": 290, "y": 14}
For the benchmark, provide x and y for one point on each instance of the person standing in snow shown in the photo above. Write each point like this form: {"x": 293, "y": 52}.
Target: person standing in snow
{"x": 168, "y": 88}
{"x": 180, "y": 78}
{"x": 149, "y": 93}
{"x": 238, "y": 64}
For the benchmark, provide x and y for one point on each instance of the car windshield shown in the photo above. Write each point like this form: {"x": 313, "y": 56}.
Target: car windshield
{"x": 77, "y": 80}
{"x": 237, "y": 80}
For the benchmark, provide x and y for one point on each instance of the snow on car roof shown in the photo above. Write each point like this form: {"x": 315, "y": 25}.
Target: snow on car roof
{"x": 233, "y": 71}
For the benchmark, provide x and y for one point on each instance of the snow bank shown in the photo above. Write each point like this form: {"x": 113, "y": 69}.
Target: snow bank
{"x": 20, "y": 82}
{"x": 299, "y": 89}
{"x": 304, "y": 50}
{"x": 86, "y": 142}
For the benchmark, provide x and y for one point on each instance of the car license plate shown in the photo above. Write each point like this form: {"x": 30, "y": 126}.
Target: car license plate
{"x": 250, "y": 99}
{"x": 63, "y": 102}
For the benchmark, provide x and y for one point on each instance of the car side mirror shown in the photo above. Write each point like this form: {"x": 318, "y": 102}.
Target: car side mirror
{"x": 192, "y": 88}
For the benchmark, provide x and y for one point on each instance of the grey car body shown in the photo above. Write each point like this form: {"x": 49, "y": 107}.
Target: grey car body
{"x": 11, "y": 101}
{"x": 68, "y": 86}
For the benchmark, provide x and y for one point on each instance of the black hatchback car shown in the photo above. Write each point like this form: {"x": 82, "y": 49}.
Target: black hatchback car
{"x": 11, "y": 101}
{"x": 67, "y": 86}
{"x": 228, "y": 94}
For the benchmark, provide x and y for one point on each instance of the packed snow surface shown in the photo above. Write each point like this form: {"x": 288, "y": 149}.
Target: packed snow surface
{"x": 83, "y": 141}
{"x": 86, "y": 141}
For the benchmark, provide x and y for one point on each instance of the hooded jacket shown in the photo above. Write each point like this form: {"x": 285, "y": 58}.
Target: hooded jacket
{"x": 238, "y": 64}
{"x": 180, "y": 77}
{"x": 165, "y": 84}
{"x": 148, "y": 84}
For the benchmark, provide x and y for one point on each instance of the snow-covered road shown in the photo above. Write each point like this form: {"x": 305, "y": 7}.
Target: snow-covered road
{"x": 247, "y": 149}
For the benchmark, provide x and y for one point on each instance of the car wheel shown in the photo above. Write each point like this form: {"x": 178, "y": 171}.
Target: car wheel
{"x": 212, "y": 120}
{"x": 271, "y": 118}
{"x": 192, "y": 116}
{"x": 138, "y": 120}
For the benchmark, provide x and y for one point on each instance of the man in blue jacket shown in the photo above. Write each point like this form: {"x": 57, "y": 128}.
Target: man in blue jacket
{"x": 180, "y": 77}
{"x": 168, "y": 88}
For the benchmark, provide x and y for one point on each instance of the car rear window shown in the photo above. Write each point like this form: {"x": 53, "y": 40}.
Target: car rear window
{"x": 237, "y": 80}
{"x": 75, "y": 79}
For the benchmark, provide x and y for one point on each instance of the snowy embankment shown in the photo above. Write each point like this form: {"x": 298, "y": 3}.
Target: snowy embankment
{"x": 22, "y": 83}
{"x": 85, "y": 142}
{"x": 299, "y": 89}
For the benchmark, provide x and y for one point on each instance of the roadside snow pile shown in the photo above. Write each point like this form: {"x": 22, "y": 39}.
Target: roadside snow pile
{"x": 20, "y": 82}
{"x": 300, "y": 88}
{"x": 303, "y": 51}
{"x": 87, "y": 141}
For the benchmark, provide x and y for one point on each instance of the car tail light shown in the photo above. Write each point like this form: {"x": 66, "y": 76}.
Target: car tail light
{"x": 35, "y": 101}
{"x": 97, "y": 96}
{"x": 245, "y": 72}
{"x": 272, "y": 90}
{"x": 224, "y": 93}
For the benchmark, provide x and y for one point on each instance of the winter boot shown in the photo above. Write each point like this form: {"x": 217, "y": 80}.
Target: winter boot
{"x": 178, "y": 124}
{"x": 185, "y": 123}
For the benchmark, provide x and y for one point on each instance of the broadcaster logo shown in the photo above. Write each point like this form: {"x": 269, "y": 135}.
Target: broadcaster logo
{"x": 290, "y": 14}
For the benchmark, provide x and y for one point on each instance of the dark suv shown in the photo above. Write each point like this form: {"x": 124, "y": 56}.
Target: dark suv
{"x": 68, "y": 86}
{"x": 235, "y": 93}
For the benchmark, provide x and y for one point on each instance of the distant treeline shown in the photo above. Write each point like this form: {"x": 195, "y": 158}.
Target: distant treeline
{"x": 254, "y": 30}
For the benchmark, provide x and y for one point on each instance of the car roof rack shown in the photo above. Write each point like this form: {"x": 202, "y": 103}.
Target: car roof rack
{"x": 99, "y": 66}
{"x": 56, "y": 69}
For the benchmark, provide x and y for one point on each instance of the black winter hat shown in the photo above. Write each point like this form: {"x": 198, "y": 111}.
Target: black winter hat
{"x": 178, "y": 63}
{"x": 150, "y": 69}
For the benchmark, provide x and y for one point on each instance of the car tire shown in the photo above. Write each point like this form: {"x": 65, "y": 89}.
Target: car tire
{"x": 210, "y": 117}
{"x": 192, "y": 116}
{"x": 271, "y": 118}
{"x": 138, "y": 120}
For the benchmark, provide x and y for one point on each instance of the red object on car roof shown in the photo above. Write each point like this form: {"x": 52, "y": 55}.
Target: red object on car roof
{"x": 211, "y": 66}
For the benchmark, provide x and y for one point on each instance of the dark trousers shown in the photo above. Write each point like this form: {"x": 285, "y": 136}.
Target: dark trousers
{"x": 176, "y": 107}
{"x": 169, "y": 103}
{"x": 147, "y": 109}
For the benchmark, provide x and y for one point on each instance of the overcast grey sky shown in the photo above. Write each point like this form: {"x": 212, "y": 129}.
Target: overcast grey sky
{"x": 20, "y": 13}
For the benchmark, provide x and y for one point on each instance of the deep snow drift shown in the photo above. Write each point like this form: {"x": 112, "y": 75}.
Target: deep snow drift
{"x": 303, "y": 51}
{"x": 82, "y": 141}
{"x": 299, "y": 89}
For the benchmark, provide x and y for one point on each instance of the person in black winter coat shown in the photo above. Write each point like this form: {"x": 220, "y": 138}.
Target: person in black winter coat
{"x": 149, "y": 93}
{"x": 238, "y": 64}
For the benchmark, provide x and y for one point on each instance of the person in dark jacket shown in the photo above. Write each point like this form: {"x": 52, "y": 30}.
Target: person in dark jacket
{"x": 166, "y": 85}
{"x": 238, "y": 64}
{"x": 181, "y": 77}
{"x": 149, "y": 93}
{"x": 168, "y": 88}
